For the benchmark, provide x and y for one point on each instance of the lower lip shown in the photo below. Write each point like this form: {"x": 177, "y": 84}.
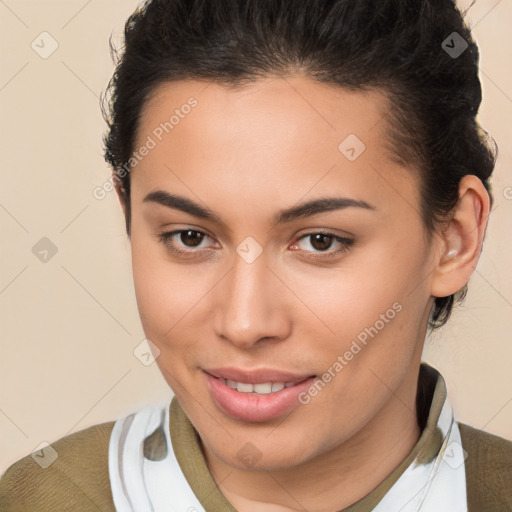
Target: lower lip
{"x": 248, "y": 407}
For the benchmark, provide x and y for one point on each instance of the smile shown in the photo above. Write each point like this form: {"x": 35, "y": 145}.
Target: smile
{"x": 264, "y": 388}
{"x": 261, "y": 400}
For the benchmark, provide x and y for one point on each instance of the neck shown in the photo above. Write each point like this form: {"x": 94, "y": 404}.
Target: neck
{"x": 333, "y": 480}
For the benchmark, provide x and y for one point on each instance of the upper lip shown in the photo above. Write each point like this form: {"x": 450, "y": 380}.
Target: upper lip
{"x": 257, "y": 376}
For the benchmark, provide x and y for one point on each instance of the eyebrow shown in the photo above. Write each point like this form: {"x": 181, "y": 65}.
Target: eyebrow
{"x": 301, "y": 211}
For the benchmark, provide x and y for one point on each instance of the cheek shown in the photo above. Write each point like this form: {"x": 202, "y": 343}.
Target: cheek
{"x": 165, "y": 299}
{"x": 158, "y": 288}
{"x": 353, "y": 293}
{"x": 365, "y": 311}
{"x": 171, "y": 297}
{"x": 150, "y": 289}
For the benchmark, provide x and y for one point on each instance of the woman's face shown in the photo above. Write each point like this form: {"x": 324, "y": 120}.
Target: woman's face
{"x": 257, "y": 289}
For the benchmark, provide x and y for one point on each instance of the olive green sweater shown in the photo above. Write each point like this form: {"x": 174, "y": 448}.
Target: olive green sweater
{"x": 78, "y": 479}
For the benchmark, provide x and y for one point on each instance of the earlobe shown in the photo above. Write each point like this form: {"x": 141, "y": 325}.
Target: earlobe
{"x": 462, "y": 239}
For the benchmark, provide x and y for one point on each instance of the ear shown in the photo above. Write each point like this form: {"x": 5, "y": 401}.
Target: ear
{"x": 462, "y": 238}
{"x": 121, "y": 193}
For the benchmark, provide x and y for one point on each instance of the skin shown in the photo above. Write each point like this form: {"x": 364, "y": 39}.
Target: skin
{"x": 245, "y": 154}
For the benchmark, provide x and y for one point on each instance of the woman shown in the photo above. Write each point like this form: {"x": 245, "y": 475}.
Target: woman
{"x": 306, "y": 192}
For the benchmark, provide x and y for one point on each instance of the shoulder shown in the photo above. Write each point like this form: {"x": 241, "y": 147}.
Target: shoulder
{"x": 69, "y": 474}
{"x": 488, "y": 469}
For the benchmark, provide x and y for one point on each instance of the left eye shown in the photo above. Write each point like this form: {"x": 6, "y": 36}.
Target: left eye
{"x": 323, "y": 241}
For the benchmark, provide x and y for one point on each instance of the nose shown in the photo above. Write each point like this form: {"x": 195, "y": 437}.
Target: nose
{"x": 251, "y": 305}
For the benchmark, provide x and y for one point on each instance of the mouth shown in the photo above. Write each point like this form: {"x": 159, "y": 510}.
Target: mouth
{"x": 257, "y": 376}
{"x": 270, "y": 394}
{"x": 261, "y": 388}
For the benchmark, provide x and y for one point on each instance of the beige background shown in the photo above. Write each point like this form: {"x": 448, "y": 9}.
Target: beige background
{"x": 69, "y": 326}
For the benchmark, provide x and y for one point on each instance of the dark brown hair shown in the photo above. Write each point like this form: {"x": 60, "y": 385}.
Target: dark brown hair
{"x": 420, "y": 53}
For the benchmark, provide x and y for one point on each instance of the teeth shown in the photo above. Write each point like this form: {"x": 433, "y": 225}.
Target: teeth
{"x": 244, "y": 388}
{"x": 261, "y": 389}
{"x": 230, "y": 383}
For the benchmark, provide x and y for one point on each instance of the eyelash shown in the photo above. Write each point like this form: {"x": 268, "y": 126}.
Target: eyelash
{"x": 346, "y": 244}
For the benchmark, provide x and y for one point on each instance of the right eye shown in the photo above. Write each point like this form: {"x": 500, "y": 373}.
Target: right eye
{"x": 187, "y": 237}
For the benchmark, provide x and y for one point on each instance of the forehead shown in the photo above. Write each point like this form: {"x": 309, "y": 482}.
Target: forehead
{"x": 264, "y": 107}
{"x": 292, "y": 134}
